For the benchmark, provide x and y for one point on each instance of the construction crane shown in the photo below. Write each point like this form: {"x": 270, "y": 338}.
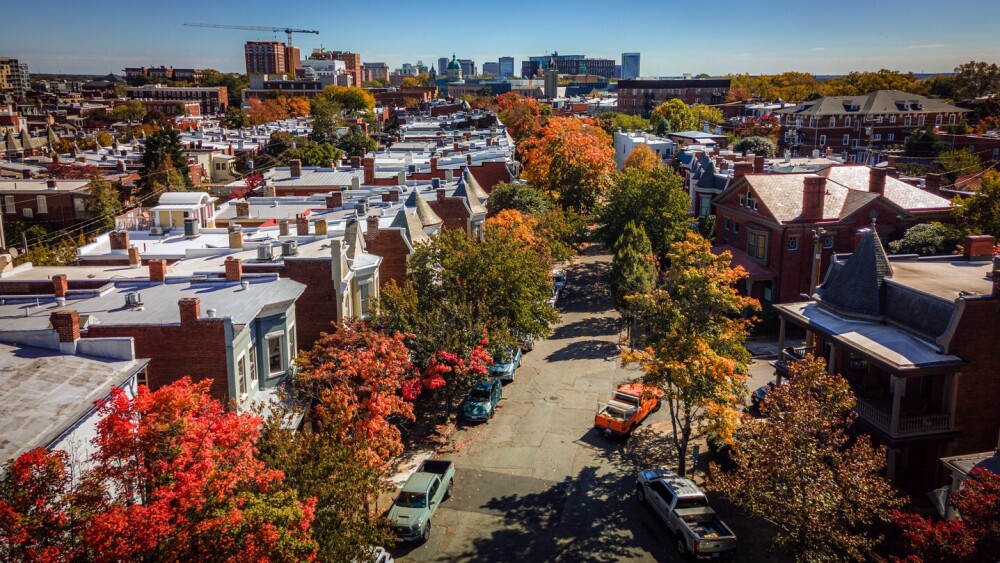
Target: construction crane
{"x": 289, "y": 31}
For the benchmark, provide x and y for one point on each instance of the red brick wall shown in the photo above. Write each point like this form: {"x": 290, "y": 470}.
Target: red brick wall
{"x": 975, "y": 341}
{"x": 316, "y": 309}
{"x": 60, "y": 213}
{"x": 389, "y": 244}
{"x": 452, "y": 212}
{"x": 489, "y": 174}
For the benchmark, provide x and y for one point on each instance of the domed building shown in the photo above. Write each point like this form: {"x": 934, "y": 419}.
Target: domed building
{"x": 454, "y": 70}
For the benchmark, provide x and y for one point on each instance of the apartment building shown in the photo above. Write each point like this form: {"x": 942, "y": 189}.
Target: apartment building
{"x": 640, "y": 97}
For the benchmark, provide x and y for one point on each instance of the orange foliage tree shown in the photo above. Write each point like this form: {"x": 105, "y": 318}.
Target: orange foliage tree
{"x": 522, "y": 116}
{"x": 643, "y": 158}
{"x": 572, "y": 159}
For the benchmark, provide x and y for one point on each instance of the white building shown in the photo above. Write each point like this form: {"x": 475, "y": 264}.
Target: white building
{"x": 625, "y": 142}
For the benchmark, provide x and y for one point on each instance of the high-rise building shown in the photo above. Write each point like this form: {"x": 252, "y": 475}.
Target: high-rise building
{"x": 491, "y": 68}
{"x": 352, "y": 62}
{"x": 271, "y": 57}
{"x": 377, "y": 71}
{"x": 468, "y": 67}
{"x": 443, "y": 66}
{"x": 568, "y": 64}
{"x": 14, "y": 78}
{"x": 630, "y": 66}
{"x": 506, "y": 67}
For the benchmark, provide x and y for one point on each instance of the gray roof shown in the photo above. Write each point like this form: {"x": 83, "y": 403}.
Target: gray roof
{"x": 409, "y": 221}
{"x": 424, "y": 210}
{"x": 46, "y": 392}
{"x": 879, "y": 102}
{"x": 465, "y": 190}
{"x": 856, "y": 286}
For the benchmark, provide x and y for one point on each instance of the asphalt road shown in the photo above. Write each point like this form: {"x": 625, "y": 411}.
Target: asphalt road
{"x": 537, "y": 483}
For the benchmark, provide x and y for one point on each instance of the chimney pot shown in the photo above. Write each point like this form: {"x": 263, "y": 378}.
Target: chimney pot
{"x": 369, "y": 164}
{"x": 283, "y": 227}
{"x": 295, "y": 168}
{"x": 758, "y": 164}
{"x": 335, "y": 200}
{"x": 134, "y": 261}
{"x": 741, "y": 169}
{"x": 51, "y": 183}
{"x": 434, "y": 164}
{"x": 242, "y": 209}
{"x": 321, "y": 227}
{"x": 355, "y": 162}
{"x": 301, "y": 225}
{"x": 440, "y": 194}
{"x": 236, "y": 239}
{"x": 119, "y": 240}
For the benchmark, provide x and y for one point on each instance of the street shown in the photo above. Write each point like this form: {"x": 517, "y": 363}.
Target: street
{"x": 537, "y": 483}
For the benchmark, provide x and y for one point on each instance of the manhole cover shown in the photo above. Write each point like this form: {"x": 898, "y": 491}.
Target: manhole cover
{"x": 553, "y": 398}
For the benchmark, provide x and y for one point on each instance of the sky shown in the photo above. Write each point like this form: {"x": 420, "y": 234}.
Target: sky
{"x": 718, "y": 37}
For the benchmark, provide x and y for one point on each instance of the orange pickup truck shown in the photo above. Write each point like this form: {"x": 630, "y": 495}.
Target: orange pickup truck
{"x": 631, "y": 405}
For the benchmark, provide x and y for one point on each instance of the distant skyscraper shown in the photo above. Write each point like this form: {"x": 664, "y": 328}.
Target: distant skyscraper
{"x": 630, "y": 66}
{"x": 13, "y": 76}
{"x": 490, "y": 67}
{"x": 443, "y": 66}
{"x": 506, "y": 67}
{"x": 468, "y": 67}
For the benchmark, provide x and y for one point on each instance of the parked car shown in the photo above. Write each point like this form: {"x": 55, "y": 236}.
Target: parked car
{"x": 482, "y": 400}
{"x": 505, "y": 363}
{"x": 526, "y": 343}
{"x": 559, "y": 280}
{"x": 631, "y": 404}
{"x": 684, "y": 509}
{"x": 421, "y": 496}
{"x": 761, "y": 393}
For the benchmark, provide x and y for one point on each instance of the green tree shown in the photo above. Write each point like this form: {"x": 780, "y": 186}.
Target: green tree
{"x": 633, "y": 271}
{"x": 706, "y": 115}
{"x": 351, "y": 98}
{"x": 859, "y": 83}
{"x": 979, "y": 213}
{"x": 694, "y": 348}
{"x": 521, "y": 197}
{"x": 235, "y": 118}
{"x": 129, "y": 111}
{"x": 802, "y": 469}
{"x": 562, "y": 229}
{"x": 103, "y": 203}
{"x": 924, "y": 143}
{"x": 235, "y": 83}
{"x": 941, "y": 86}
{"x": 164, "y": 164}
{"x": 655, "y": 199}
{"x": 756, "y": 145}
{"x": 977, "y": 78}
{"x": 678, "y": 115}
{"x": 327, "y": 116}
{"x": 613, "y": 121}
{"x": 927, "y": 239}
{"x": 312, "y": 154}
{"x": 958, "y": 162}
{"x": 663, "y": 127}
{"x": 356, "y": 142}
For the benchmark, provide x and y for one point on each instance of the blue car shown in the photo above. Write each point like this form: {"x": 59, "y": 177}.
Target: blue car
{"x": 482, "y": 401}
{"x": 504, "y": 364}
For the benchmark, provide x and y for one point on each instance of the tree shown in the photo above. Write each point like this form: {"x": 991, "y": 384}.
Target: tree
{"x": 103, "y": 203}
{"x": 738, "y": 94}
{"x": 655, "y": 200}
{"x": 235, "y": 83}
{"x": 977, "y": 78}
{"x": 327, "y": 116}
{"x": 677, "y": 113}
{"x": 923, "y": 143}
{"x": 958, "y": 162}
{"x": 643, "y": 158}
{"x": 768, "y": 126}
{"x": 175, "y": 477}
{"x": 633, "y": 270}
{"x": 941, "y": 86}
{"x": 802, "y": 470}
{"x": 71, "y": 171}
{"x": 164, "y": 164}
{"x": 860, "y": 83}
{"x": 522, "y": 116}
{"x": 129, "y": 111}
{"x": 572, "y": 160}
{"x": 706, "y": 115}
{"x": 353, "y": 377}
{"x": 351, "y": 98}
{"x": 927, "y": 239}
{"x": 521, "y": 197}
{"x": 757, "y": 145}
{"x": 311, "y": 153}
{"x": 613, "y": 121}
{"x": 235, "y": 118}
{"x": 933, "y": 542}
{"x": 356, "y": 142}
{"x": 563, "y": 229}
{"x": 663, "y": 127}
{"x": 266, "y": 111}
{"x": 694, "y": 347}
{"x": 980, "y": 213}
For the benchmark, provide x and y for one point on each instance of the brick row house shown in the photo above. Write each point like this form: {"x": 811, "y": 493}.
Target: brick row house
{"x": 916, "y": 340}
{"x": 640, "y": 97}
{"x": 55, "y": 203}
{"x": 768, "y": 221}
{"x": 854, "y": 125}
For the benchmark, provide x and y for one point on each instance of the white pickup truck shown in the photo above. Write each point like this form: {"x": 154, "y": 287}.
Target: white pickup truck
{"x": 684, "y": 509}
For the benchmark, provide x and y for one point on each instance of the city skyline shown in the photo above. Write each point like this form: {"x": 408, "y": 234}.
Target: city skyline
{"x": 743, "y": 42}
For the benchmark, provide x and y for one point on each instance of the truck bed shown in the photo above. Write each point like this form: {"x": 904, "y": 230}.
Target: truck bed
{"x": 437, "y": 466}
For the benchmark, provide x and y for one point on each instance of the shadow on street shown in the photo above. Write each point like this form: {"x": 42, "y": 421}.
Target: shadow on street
{"x": 593, "y": 326}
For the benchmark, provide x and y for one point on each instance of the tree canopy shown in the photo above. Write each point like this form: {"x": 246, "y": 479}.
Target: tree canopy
{"x": 164, "y": 164}
{"x": 980, "y": 213}
{"x": 643, "y": 158}
{"x": 571, "y": 160}
{"x": 756, "y": 145}
{"x": 633, "y": 269}
{"x": 654, "y": 199}
{"x": 351, "y": 98}
{"x": 521, "y": 197}
{"x": 927, "y": 239}
{"x": 977, "y": 78}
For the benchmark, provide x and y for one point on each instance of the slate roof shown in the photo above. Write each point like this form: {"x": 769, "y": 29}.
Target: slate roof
{"x": 904, "y": 195}
{"x": 856, "y": 286}
{"x": 424, "y": 211}
{"x": 879, "y": 102}
{"x": 464, "y": 190}
{"x": 474, "y": 186}
{"x": 410, "y": 222}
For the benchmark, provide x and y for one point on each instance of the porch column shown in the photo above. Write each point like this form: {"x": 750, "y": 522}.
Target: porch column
{"x": 831, "y": 365}
{"x": 781, "y": 348}
{"x": 890, "y": 464}
{"x": 951, "y": 387}
{"x": 898, "y": 385}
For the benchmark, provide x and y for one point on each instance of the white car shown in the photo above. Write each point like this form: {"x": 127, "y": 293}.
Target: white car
{"x": 558, "y": 280}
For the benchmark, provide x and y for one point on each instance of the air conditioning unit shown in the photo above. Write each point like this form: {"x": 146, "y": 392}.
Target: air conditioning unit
{"x": 133, "y": 299}
{"x": 156, "y": 231}
{"x": 289, "y": 248}
{"x": 265, "y": 252}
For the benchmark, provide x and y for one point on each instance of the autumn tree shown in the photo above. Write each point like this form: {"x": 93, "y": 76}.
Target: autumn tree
{"x": 643, "y": 158}
{"x": 706, "y": 115}
{"x": 676, "y": 113}
{"x": 522, "y": 116}
{"x": 71, "y": 171}
{"x": 696, "y": 328}
{"x": 977, "y": 78}
{"x": 768, "y": 126}
{"x": 861, "y": 83}
{"x": 266, "y": 111}
{"x": 738, "y": 94}
{"x": 521, "y": 197}
{"x": 572, "y": 160}
{"x": 351, "y": 98}
{"x": 235, "y": 118}
{"x": 164, "y": 164}
{"x": 804, "y": 471}
{"x": 174, "y": 477}
{"x": 633, "y": 271}
{"x": 655, "y": 200}
{"x": 103, "y": 203}
{"x": 979, "y": 213}
{"x": 129, "y": 111}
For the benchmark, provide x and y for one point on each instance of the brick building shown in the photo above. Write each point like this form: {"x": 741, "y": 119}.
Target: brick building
{"x": 375, "y": 71}
{"x": 351, "y": 60}
{"x": 271, "y": 57}
{"x": 213, "y": 99}
{"x": 853, "y": 126}
{"x": 640, "y": 97}
{"x": 916, "y": 339}
{"x": 767, "y": 221}
{"x": 55, "y": 203}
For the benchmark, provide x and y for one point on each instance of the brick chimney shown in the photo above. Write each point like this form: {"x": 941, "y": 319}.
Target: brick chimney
{"x": 242, "y": 209}
{"x": 335, "y": 200}
{"x": 67, "y": 326}
{"x": 51, "y": 183}
{"x": 157, "y": 270}
{"x": 234, "y": 269}
{"x": 441, "y": 194}
{"x": 321, "y": 227}
{"x": 190, "y": 308}
{"x": 369, "y": 164}
{"x": 301, "y": 225}
{"x": 741, "y": 169}
{"x": 295, "y": 168}
{"x": 876, "y": 179}
{"x": 758, "y": 164}
{"x": 236, "y": 239}
{"x": 283, "y": 227}
{"x": 134, "y": 261}
{"x": 813, "y": 197}
{"x": 386, "y": 197}
{"x": 394, "y": 194}
{"x": 270, "y": 190}
{"x": 60, "y": 285}
{"x": 978, "y": 248}
{"x": 355, "y": 162}
{"x": 932, "y": 183}
{"x": 373, "y": 225}
{"x": 891, "y": 160}
{"x": 434, "y": 164}
{"x": 119, "y": 240}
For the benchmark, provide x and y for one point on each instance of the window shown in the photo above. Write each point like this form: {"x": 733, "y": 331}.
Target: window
{"x": 854, "y": 143}
{"x": 252, "y": 364}
{"x": 27, "y": 212}
{"x": 996, "y": 153}
{"x": 878, "y": 119}
{"x": 822, "y": 140}
{"x": 890, "y": 137}
{"x": 42, "y": 204}
{"x": 920, "y": 121}
{"x": 736, "y": 232}
{"x": 833, "y": 122}
{"x": 725, "y": 229}
{"x": 705, "y": 206}
{"x": 8, "y": 202}
{"x": 847, "y": 121}
{"x": 756, "y": 245}
{"x": 828, "y": 241}
{"x": 847, "y": 140}
{"x": 274, "y": 359}
{"x": 951, "y": 119}
{"x": 241, "y": 376}
{"x": 877, "y": 137}
{"x": 364, "y": 298}
{"x": 793, "y": 243}
{"x": 937, "y": 119}
{"x": 892, "y": 119}
{"x": 907, "y": 120}
{"x": 293, "y": 343}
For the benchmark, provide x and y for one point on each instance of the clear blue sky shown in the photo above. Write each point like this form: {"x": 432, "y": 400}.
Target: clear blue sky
{"x": 674, "y": 37}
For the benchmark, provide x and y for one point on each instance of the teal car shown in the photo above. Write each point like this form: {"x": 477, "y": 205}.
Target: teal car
{"x": 504, "y": 364}
{"x": 482, "y": 401}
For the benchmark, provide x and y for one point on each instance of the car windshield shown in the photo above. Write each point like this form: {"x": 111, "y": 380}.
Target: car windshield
{"x": 479, "y": 396}
{"x": 692, "y": 502}
{"x": 411, "y": 500}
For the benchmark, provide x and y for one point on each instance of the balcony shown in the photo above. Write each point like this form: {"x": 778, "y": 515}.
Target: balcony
{"x": 878, "y": 413}
{"x": 790, "y": 356}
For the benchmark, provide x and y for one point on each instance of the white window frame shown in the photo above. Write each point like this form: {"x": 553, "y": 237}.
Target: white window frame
{"x": 8, "y": 202}
{"x": 27, "y": 212}
{"x": 833, "y": 121}
{"x": 42, "y": 203}
{"x": 847, "y": 139}
{"x": 920, "y": 120}
{"x": 241, "y": 377}
{"x": 907, "y": 121}
{"x": 877, "y": 137}
{"x": 822, "y": 140}
{"x": 282, "y": 365}
{"x": 951, "y": 119}
{"x": 847, "y": 121}
{"x": 938, "y": 119}
{"x": 890, "y": 137}
{"x": 252, "y": 371}
{"x": 753, "y": 235}
{"x": 892, "y": 119}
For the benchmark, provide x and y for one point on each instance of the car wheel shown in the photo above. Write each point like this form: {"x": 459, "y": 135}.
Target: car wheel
{"x": 681, "y": 546}
{"x": 640, "y": 495}
{"x": 659, "y": 403}
{"x": 447, "y": 494}
{"x": 427, "y": 533}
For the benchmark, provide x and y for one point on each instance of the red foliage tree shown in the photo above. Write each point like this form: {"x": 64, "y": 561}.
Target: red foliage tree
{"x": 355, "y": 377}
{"x": 456, "y": 373}
{"x": 522, "y": 116}
{"x": 767, "y": 126}
{"x": 252, "y": 181}
{"x": 175, "y": 477}
{"x": 72, "y": 171}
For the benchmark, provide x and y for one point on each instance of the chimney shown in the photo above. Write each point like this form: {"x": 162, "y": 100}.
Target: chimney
{"x": 301, "y": 225}
{"x": 157, "y": 270}
{"x": 320, "y": 227}
{"x": 190, "y": 308}
{"x": 386, "y": 197}
{"x": 236, "y": 239}
{"x": 283, "y": 227}
{"x": 876, "y": 179}
{"x": 355, "y": 182}
{"x": 440, "y": 194}
{"x": 932, "y": 183}
{"x": 468, "y": 159}
{"x": 456, "y": 148}
{"x": 372, "y": 225}
{"x": 402, "y": 177}
{"x": 335, "y": 200}
{"x": 242, "y": 209}
{"x": 978, "y": 248}
{"x": 133, "y": 257}
{"x": 270, "y": 191}
{"x": 60, "y": 285}
{"x": 51, "y": 183}
{"x": 369, "y": 163}
{"x": 449, "y": 175}
{"x": 355, "y": 162}
{"x": 234, "y": 269}
{"x": 758, "y": 164}
{"x": 813, "y": 197}
{"x": 295, "y": 168}
{"x": 741, "y": 169}
{"x": 434, "y": 164}
{"x": 891, "y": 160}
{"x": 119, "y": 240}
{"x": 67, "y": 326}
{"x": 394, "y": 194}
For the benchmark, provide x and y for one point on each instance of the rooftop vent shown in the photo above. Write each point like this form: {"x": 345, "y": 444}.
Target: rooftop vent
{"x": 133, "y": 299}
